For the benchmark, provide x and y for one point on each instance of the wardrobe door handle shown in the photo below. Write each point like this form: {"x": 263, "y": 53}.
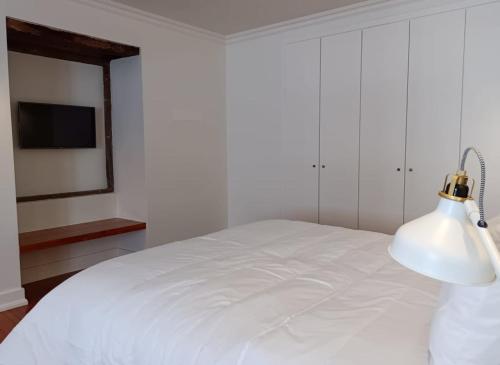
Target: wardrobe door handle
{"x": 314, "y": 166}
{"x": 398, "y": 169}
{"x": 410, "y": 169}
{"x": 323, "y": 166}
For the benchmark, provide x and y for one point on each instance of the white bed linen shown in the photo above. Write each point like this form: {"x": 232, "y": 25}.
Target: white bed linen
{"x": 271, "y": 292}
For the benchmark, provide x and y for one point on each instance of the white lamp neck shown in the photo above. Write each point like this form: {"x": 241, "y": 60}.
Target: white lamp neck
{"x": 452, "y": 208}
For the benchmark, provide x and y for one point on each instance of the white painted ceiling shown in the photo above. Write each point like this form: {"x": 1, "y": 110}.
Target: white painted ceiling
{"x": 232, "y": 16}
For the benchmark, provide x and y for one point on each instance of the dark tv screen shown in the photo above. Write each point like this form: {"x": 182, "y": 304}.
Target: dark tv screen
{"x": 56, "y": 126}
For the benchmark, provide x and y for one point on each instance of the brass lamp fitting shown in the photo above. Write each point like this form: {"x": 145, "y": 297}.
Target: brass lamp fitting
{"x": 456, "y": 187}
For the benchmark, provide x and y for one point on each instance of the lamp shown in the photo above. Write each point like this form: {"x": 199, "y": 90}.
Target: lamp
{"x": 452, "y": 243}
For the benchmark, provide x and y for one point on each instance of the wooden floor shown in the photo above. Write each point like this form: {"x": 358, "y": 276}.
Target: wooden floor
{"x": 34, "y": 292}
{"x": 9, "y": 319}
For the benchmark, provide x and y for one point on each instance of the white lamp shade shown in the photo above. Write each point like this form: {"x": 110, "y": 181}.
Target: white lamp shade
{"x": 445, "y": 246}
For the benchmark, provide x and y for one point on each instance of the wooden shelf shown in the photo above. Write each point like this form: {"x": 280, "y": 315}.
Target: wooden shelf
{"x": 46, "y": 238}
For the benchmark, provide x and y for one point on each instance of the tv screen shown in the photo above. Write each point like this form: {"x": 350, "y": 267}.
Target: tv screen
{"x": 56, "y": 126}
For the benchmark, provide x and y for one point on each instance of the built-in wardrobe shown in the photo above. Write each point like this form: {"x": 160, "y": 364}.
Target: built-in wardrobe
{"x": 374, "y": 119}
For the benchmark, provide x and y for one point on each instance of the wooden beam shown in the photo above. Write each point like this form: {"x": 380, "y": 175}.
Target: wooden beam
{"x": 49, "y": 42}
{"x": 22, "y": 46}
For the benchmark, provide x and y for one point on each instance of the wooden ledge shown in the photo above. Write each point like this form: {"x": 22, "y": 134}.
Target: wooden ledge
{"x": 65, "y": 235}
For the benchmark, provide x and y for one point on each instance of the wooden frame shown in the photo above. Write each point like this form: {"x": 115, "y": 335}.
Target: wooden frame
{"x": 54, "y": 43}
{"x": 108, "y": 146}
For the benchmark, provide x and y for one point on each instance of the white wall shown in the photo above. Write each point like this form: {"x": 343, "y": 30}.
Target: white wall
{"x": 128, "y": 138}
{"x": 254, "y": 92}
{"x": 184, "y": 120}
{"x": 185, "y": 132}
{"x": 48, "y": 80}
{"x": 11, "y": 293}
{"x": 43, "y": 214}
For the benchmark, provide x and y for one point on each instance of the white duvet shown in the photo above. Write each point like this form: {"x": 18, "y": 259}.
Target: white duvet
{"x": 272, "y": 292}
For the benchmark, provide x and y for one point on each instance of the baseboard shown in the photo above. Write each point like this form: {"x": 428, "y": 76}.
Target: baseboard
{"x": 13, "y": 298}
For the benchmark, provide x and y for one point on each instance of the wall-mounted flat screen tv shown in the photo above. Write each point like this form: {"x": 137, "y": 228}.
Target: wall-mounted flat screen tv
{"x": 56, "y": 126}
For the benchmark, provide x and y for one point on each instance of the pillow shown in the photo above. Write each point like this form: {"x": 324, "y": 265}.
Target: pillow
{"x": 466, "y": 326}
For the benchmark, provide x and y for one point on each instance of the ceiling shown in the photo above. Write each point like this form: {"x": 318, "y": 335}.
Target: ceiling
{"x": 232, "y": 16}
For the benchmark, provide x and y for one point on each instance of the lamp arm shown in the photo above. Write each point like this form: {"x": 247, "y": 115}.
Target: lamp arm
{"x": 481, "y": 220}
{"x": 485, "y": 236}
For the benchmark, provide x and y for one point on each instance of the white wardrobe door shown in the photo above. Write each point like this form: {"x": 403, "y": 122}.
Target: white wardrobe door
{"x": 300, "y": 144}
{"x": 434, "y": 107}
{"x": 383, "y": 125}
{"x": 339, "y": 129}
{"x": 481, "y": 106}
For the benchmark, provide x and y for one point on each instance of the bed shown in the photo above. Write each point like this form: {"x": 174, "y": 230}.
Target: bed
{"x": 272, "y": 292}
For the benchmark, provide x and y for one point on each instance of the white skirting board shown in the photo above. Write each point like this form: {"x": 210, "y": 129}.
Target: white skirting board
{"x": 12, "y": 299}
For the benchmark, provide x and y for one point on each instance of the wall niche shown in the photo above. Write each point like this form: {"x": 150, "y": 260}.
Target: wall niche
{"x": 81, "y": 205}
{"x": 52, "y": 66}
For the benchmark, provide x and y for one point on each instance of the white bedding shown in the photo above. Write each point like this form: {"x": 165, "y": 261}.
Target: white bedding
{"x": 272, "y": 292}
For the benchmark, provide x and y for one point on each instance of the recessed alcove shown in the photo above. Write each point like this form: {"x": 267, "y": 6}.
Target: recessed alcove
{"x": 78, "y": 206}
